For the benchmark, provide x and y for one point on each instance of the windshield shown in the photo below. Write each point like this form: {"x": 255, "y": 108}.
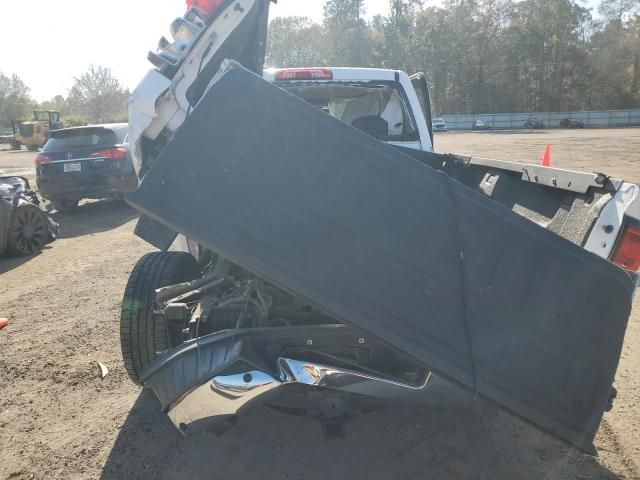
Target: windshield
{"x": 41, "y": 116}
{"x": 82, "y": 137}
{"x": 377, "y": 108}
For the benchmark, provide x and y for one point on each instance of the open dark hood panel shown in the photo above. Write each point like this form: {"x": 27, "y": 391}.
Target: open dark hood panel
{"x": 396, "y": 248}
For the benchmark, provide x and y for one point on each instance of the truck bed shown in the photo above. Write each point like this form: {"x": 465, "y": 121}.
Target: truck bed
{"x": 565, "y": 202}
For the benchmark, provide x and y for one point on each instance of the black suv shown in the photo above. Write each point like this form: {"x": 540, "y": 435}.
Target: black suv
{"x": 85, "y": 162}
{"x": 534, "y": 123}
{"x": 570, "y": 123}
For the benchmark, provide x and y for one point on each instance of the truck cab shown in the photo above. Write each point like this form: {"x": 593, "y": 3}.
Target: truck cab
{"x": 387, "y": 104}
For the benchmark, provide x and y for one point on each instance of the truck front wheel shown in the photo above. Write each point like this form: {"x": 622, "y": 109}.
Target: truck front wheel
{"x": 143, "y": 334}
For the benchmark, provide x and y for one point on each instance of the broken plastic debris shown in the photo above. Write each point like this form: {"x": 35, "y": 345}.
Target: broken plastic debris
{"x": 103, "y": 369}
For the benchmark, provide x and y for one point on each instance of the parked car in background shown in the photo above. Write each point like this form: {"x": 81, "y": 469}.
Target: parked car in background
{"x": 439, "y": 125}
{"x": 480, "y": 125}
{"x": 570, "y": 123}
{"x": 85, "y": 162}
{"x": 534, "y": 123}
{"x": 24, "y": 227}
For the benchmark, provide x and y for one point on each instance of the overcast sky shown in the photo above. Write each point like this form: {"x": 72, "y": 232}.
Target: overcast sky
{"x": 52, "y": 41}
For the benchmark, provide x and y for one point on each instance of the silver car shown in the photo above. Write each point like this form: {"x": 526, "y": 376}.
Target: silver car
{"x": 439, "y": 125}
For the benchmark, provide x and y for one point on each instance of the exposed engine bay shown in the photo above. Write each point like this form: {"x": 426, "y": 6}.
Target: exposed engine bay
{"x": 230, "y": 298}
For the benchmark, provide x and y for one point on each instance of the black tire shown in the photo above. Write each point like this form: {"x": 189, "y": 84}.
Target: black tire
{"x": 143, "y": 334}
{"x": 65, "y": 204}
{"x": 29, "y": 230}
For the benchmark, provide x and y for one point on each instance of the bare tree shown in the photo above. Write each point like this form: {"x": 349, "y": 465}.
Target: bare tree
{"x": 58, "y": 103}
{"x": 344, "y": 12}
{"x": 295, "y": 42}
{"x": 15, "y": 101}
{"x": 98, "y": 95}
{"x": 615, "y": 10}
{"x": 348, "y": 39}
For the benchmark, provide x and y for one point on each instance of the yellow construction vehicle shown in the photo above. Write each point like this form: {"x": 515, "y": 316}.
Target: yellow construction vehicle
{"x": 34, "y": 134}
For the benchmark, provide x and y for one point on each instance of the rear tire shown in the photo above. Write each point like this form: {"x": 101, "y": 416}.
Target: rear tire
{"x": 29, "y": 230}
{"x": 143, "y": 334}
{"x": 65, "y": 205}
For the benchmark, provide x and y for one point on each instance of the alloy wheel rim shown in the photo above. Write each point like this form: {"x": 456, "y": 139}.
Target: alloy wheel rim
{"x": 29, "y": 230}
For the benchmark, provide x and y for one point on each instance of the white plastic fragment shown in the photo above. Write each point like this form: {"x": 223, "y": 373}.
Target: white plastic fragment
{"x": 103, "y": 369}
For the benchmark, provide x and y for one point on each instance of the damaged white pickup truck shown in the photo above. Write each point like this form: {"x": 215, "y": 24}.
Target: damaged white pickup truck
{"x": 324, "y": 244}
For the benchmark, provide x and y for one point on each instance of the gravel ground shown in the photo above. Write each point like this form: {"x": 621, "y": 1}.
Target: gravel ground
{"x": 60, "y": 420}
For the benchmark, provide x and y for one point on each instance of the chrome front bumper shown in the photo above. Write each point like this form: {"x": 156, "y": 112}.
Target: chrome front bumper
{"x": 218, "y": 376}
{"x": 228, "y": 394}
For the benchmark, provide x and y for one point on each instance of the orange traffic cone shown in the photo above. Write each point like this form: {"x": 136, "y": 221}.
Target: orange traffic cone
{"x": 546, "y": 159}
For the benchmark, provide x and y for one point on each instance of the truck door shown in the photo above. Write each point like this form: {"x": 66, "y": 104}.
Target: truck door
{"x": 420, "y": 85}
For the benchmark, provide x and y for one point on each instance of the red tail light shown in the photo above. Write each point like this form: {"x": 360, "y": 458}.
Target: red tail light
{"x": 207, "y": 6}
{"x": 304, "y": 74}
{"x": 110, "y": 153}
{"x": 40, "y": 159}
{"x": 627, "y": 251}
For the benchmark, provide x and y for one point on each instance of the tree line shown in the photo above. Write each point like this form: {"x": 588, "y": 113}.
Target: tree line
{"x": 94, "y": 97}
{"x": 482, "y": 56}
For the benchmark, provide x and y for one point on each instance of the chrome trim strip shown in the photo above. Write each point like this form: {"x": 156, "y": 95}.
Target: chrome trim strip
{"x": 228, "y": 394}
{"x": 307, "y": 373}
{"x": 75, "y": 160}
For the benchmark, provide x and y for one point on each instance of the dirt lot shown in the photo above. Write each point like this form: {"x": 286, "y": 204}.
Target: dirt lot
{"x": 614, "y": 152}
{"x": 60, "y": 420}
